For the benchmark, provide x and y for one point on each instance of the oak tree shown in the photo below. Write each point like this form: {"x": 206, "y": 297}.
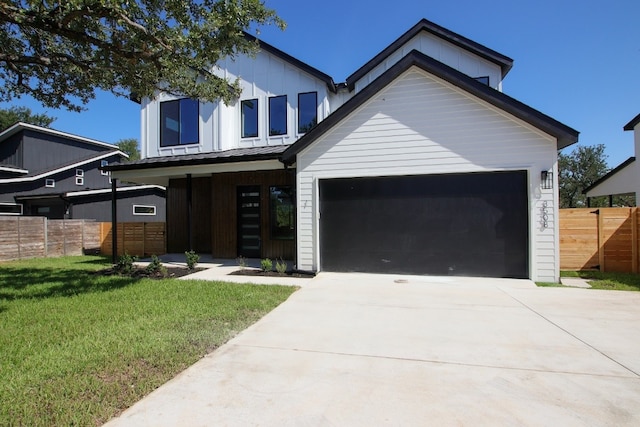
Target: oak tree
{"x": 60, "y": 52}
{"x": 13, "y": 115}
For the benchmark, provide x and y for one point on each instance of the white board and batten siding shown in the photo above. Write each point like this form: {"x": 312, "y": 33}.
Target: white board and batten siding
{"x": 443, "y": 51}
{"x": 418, "y": 125}
{"x": 219, "y": 125}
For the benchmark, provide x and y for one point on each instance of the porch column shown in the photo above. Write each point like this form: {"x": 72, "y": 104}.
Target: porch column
{"x": 189, "y": 213}
{"x": 610, "y": 200}
{"x": 114, "y": 221}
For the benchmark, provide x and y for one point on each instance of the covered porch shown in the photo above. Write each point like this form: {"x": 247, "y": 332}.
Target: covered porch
{"x": 226, "y": 204}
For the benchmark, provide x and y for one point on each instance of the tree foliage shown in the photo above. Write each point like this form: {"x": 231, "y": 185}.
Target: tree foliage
{"x": 578, "y": 170}
{"x": 60, "y": 52}
{"x": 129, "y": 146}
{"x": 13, "y": 115}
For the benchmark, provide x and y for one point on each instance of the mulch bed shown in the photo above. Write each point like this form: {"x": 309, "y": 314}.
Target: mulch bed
{"x": 252, "y": 272}
{"x": 141, "y": 273}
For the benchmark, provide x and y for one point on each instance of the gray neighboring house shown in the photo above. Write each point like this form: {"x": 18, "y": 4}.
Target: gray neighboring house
{"x": 44, "y": 172}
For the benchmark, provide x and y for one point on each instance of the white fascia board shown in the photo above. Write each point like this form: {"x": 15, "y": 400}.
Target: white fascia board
{"x": 108, "y": 190}
{"x": 14, "y": 170}
{"x": 22, "y": 126}
{"x": 62, "y": 169}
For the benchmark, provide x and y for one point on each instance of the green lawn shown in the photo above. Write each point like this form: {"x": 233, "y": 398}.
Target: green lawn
{"x": 610, "y": 281}
{"x": 77, "y": 348}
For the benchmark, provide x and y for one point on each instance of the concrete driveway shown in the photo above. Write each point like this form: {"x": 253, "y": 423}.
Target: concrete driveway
{"x": 364, "y": 350}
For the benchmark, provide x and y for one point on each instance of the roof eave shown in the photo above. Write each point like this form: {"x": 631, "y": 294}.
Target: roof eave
{"x": 504, "y": 62}
{"x": 632, "y": 124}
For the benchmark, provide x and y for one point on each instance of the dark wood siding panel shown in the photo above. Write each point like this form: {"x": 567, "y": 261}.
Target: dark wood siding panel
{"x": 224, "y": 212}
{"x": 177, "y": 216}
{"x": 201, "y": 205}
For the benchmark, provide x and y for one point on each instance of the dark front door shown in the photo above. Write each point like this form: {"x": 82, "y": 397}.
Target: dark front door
{"x": 472, "y": 224}
{"x": 249, "y": 221}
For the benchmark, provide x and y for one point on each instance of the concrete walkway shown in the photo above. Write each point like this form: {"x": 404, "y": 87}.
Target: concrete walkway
{"x": 363, "y": 350}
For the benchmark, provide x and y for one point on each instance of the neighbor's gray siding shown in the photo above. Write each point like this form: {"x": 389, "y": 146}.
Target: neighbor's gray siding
{"x": 11, "y": 151}
{"x": 42, "y": 151}
{"x": 64, "y": 182}
{"x": 98, "y": 207}
{"x": 420, "y": 124}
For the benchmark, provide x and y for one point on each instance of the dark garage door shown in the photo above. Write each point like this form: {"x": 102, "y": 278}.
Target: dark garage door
{"x": 456, "y": 224}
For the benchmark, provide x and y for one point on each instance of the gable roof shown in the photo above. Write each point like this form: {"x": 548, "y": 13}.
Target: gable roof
{"x": 20, "y": 126}
{"x": 609, "y": 174}
{"x": 564, "y": 134}
{"x": 503, "y": 61}
{"x": 632, "y": 123}
{"x": 295, "y": 62}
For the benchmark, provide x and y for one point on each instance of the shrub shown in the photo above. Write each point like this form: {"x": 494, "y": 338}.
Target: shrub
{"x": 156, "y": 267}
{"x": 192, "y": 259}
{"x": 266, "y": 264}
{"x": 281, "y": 266}
{"x": 242, "y": 262}
{"x": 125, "y": 264}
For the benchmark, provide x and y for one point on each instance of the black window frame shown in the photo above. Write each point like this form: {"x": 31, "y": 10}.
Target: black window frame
{"x": 272, "y": 130}
{"x": 485, "y": 80}
{"x": 243, "y": 118}
{"x": 179, "y": 141}
{"x": 284, "y": 231}
{"x": 306, "y": 127}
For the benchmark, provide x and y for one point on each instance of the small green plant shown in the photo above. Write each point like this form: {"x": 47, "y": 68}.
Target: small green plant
{"x": 125, "y": 264}
{"x": 281, "y": 266}
{"x": 266, "y": 264}
{"x": 156, "y": 267}
{"x": 192, "y": 259}
{"x": 242, "y": 262}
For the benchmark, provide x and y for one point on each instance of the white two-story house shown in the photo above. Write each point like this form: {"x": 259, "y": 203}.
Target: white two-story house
{"x": 418, "y": 163}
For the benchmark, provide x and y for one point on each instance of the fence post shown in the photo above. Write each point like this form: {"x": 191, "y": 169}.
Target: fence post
{"x": 46, "y": 236}
{"x": 600, "y": 239}
{"x": 634, "y": 239}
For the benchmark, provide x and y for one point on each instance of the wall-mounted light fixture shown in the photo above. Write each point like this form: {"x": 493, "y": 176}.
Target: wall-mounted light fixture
{"x": 546, "y": 180}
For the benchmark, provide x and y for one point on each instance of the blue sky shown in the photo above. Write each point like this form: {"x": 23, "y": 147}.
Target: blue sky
{"x": 578, "y": 62}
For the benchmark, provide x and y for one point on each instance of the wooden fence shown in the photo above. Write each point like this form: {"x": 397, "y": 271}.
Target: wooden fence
{"x": 35, "y": 237}
{"x": 599, "y": 238}
{"x": 135, "y": 238}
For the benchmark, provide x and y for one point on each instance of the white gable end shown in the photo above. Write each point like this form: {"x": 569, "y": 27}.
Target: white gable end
{"x": 443, "y": 51}
{"x": 421, "y": 125}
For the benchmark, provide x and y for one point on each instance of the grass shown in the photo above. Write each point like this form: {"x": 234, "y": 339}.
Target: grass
{"x": 77, "y": 348}
{"x": 609, "y": 281}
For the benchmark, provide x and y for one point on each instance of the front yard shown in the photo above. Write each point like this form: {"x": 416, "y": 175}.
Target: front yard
{"x": 78, "y": 348}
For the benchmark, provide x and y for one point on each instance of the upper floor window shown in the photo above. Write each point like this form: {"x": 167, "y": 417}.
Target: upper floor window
{"x": 50, "y": 183}
{"x": 483, "y": 80}
{"x": 249, "y": 118}
{"x": 307, "y": 111}
{"x": 179, "y": 122}
{"x": 104, "y": 163}
{"x": 278, "y": 115}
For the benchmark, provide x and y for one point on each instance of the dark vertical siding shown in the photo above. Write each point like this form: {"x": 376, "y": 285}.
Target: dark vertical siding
{"x": 98, "y": 207}
{"x": 215, "y": 213}
{"x": 177, "y": 216}
{"x": 59, "y": 151}
{"x": 11, "y": 151}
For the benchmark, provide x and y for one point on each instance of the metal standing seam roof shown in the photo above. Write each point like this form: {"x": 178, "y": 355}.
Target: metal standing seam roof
{"x": 216, "y": 157}
{"x": 632, "y": 123}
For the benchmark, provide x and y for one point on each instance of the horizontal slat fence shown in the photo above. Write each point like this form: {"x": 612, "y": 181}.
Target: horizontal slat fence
{"x": 135, "y": 238}
{"x": 24, "y": 237}
{"x": 34, "y": 237}
{"x": 599, "y": 238}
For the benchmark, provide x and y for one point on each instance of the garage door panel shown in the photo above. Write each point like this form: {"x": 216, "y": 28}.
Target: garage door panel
{"x": 466, "y": 224}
